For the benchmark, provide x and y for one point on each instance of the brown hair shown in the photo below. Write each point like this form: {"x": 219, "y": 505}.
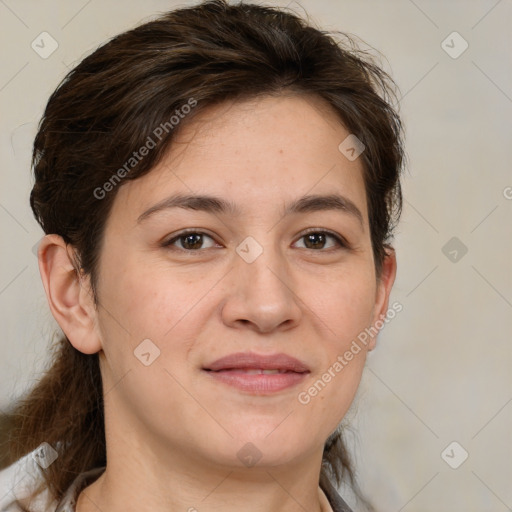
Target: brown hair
{"x": 125, "y": 94}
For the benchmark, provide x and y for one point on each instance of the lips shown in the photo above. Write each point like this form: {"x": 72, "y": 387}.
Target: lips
{"x": 256, "y": 374}
{"x": 251, "y": 363}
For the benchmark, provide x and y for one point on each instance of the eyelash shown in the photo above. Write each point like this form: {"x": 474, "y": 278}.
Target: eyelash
{"x": 342, "y": 243}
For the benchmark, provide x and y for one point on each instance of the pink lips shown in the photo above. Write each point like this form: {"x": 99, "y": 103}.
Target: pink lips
{"x": 258, "y": 373}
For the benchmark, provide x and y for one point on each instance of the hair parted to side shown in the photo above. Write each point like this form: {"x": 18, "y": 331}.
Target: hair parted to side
{"x": 125, "y": 94}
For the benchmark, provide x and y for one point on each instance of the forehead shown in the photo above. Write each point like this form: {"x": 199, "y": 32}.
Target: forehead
{"x": 257, "y": 153}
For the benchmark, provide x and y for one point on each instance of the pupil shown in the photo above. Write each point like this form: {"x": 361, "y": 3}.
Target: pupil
{"x": 313, "y": 240}
{"x": 316, "y": 239}
{"x": 192, "y": 245}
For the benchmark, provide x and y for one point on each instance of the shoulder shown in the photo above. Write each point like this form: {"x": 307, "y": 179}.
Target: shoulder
{"x": 18, "y": 481}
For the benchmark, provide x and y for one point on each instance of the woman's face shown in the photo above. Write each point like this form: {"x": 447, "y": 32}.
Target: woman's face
{"x": 247, "y": 280}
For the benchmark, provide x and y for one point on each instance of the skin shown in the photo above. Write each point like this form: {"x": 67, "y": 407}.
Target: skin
{"x": 172, "y": 432}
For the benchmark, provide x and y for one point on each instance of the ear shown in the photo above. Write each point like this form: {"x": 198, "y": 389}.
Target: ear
{"x": 69, "y": 294}
{"x": 384, "y": 286}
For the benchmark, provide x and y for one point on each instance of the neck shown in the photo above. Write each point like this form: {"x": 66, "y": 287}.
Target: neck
{"x": 130, "y": 484}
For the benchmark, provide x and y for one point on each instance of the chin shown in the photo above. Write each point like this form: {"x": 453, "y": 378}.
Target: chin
{"x": 250, "y": 449}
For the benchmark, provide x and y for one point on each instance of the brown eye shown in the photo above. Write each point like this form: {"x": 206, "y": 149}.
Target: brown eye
{"x": 317, "y": 240}
{"x": 190, "y": 241}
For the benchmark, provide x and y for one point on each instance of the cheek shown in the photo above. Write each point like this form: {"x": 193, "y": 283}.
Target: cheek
{"x": 344, "y": 304}
{"x": 152, "y": 301}
{"x": 330, "y": 393}
{"x": 140, "y": 306}
{"x": 345, "y": 310}
{"x": 163, "y": 306}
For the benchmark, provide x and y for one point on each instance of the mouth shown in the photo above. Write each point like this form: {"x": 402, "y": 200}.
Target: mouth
{"x": 258, "y": 374}
{"x": 254, "y": 371}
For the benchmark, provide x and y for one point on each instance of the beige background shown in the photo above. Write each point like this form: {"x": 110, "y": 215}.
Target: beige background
{"x": 441, "y": 372}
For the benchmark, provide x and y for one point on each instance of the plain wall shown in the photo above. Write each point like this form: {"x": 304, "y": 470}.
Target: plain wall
{"x": 441, "y": 371}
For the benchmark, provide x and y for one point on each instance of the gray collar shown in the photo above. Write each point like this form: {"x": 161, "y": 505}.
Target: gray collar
{"x": 336, "y": 501}
{"x": 68, "y": 501}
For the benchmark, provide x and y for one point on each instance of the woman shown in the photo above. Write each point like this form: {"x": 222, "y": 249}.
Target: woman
{"x": 218, "y": 189}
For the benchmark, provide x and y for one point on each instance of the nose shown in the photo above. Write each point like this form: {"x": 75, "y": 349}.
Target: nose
{"x": 261, "y": 295}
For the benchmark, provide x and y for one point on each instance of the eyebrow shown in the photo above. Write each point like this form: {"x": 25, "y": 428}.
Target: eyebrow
{"x": 212, "y": 204}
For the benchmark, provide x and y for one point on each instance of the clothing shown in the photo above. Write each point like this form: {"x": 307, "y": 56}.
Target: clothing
{"x": 335, "y": 500}
{"x": 17, "y": 481}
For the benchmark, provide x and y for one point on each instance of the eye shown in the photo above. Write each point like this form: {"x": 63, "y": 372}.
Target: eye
{"x": 190, "y": 241}
{"x": 316, "y": 240}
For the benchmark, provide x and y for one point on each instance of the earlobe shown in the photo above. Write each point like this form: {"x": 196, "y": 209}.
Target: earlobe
{"x": 71, "y": 305}
{"x": 384, "y": 286}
